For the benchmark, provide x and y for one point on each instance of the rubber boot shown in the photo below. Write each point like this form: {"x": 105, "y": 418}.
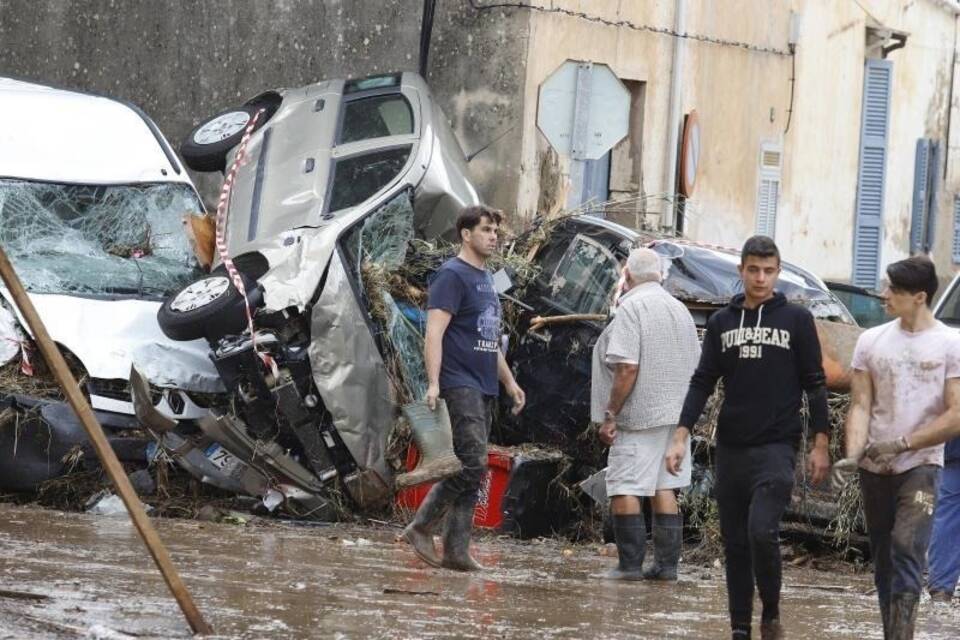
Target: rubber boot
{"x": 903, "y": 615}
{"x": 456, "y": 539}
{"x": 667, "y": 542}
{"x": 419, "y": 533}
{"x": 434, "y": 439}
{"x": 630, "y": 533}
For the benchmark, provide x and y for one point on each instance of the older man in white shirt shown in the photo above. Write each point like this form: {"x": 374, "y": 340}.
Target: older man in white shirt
{"x": 642, "y": 365}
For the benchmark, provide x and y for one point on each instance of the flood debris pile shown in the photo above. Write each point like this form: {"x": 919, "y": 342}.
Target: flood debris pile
{"x": 393, "y": 268}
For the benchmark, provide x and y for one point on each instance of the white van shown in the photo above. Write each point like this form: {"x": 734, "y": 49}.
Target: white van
{"x": 91, "y": 204}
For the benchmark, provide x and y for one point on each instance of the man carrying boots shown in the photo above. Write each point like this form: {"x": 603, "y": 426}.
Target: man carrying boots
{"x": 766, "y": 352}
{"x": 464, "y": 363}
{"x": 642, "y": 364}
{"x": 905, "y": 403}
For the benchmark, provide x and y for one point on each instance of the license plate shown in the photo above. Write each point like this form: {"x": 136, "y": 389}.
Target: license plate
{"x": 220, "y": 457}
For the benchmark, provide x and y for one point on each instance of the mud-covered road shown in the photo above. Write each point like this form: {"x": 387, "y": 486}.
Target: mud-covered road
{"x": 90, "y": 577}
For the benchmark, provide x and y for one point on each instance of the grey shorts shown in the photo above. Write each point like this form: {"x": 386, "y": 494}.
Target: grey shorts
{"x": 636, "y": 466}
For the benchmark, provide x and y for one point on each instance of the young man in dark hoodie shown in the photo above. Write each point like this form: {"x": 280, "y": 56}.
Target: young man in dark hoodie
{"x": 767, "y": 353}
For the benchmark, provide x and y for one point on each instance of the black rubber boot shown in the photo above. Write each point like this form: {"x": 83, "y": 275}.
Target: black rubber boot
{"x": 419, "y": 533}
{"x": 456, "y": 539}
{"x": 667, "y": 543}
{"x": 771, "y": 630}
{"x": 630, "y": 532}
{"x": 903, "y": 615}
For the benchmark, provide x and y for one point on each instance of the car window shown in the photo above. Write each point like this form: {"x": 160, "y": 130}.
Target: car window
{"x": 867, "y": 308}
{"x": 376, "y": 117}
{"x": 949, "y": 310}
{"x": 585, "y": 277}
{"x": 358, "y": 177}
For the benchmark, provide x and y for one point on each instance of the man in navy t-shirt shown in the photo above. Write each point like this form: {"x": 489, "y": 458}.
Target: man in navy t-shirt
{"x": 464, "y": 365}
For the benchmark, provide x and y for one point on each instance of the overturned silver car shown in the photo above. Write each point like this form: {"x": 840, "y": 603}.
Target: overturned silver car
{"x": 336, "y": 175}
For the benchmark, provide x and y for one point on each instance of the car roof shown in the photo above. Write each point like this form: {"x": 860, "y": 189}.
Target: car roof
{"x": 58, "y": 135}
{"x": 701, "y": 272}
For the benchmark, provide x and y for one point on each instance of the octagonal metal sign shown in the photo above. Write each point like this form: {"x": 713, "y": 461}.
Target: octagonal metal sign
{"x": 583, "y": 110}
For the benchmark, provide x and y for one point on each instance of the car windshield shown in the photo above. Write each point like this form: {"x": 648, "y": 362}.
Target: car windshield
{"x": 98, "y": 240}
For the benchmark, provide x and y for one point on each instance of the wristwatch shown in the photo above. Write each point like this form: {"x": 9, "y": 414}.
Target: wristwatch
{"x": 609, "y": 415}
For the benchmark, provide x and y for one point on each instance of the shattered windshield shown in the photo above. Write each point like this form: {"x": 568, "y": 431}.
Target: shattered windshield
{"x": 86, "y": 239}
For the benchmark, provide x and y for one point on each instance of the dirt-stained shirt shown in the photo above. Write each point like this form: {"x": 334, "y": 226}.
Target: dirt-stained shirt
{"x": 654, "y": 330}
{"x": 909, "y": 371}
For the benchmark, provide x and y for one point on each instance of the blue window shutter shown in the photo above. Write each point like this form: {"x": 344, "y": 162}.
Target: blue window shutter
{"x": 871, "y": 178}
{"x": 921, "y": 178}
{"x": 956, "y": 230}
{"x": 932, "y": 182}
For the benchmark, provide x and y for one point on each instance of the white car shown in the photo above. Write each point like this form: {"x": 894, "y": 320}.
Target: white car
{"x": 91, "y": 202}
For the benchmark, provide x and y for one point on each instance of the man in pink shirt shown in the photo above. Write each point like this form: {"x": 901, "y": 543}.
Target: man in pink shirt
{"x": 905, "y": 404}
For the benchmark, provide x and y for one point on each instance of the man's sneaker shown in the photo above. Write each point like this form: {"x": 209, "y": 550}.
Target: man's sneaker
{"x": 941, "y": 597}
{"x": 771, "y": 630}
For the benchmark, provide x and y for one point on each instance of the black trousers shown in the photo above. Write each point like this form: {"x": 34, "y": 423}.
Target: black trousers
{"x": 899, "y": 513}
{"x": 471, "y": 414}
{"x": 753, "y": 490}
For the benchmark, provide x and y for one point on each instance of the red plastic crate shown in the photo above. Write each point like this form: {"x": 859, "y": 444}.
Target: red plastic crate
{"x": 488, "y": 514}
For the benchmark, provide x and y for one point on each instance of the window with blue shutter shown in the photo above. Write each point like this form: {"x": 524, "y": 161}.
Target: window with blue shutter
{"x": 871, "y": 178}
{"x": 768, "y": 196}
{"x": 956, "y": 229}
{"x": 923, "y": 217}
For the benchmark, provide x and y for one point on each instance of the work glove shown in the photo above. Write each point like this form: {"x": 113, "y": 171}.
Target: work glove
{"x": 886, "y": 448}
{"x": 842, "y": 472}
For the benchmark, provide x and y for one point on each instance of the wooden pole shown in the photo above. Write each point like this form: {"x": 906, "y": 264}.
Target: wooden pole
{"x": 104, "y": 451}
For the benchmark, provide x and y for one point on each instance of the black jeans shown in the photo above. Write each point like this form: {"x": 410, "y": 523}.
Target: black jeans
{"x": 471, "y": 414}
{"x": 899, "y": 514}
{"x": 753, "y": 489}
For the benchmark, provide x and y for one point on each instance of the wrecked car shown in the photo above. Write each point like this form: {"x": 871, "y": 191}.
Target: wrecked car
{"x": 579, "y": 269}
{"x": 90, "y": 216}
{"x": 337, "y": 176}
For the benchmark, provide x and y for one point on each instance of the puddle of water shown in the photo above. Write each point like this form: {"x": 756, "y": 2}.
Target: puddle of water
{"x": 352, "y": 582}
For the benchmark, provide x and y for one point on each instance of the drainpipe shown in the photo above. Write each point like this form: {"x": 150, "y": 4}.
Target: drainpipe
{"x": 673, "y": 124}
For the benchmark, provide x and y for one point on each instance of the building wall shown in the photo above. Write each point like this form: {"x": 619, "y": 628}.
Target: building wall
{"x": 743, "y": 100}
{"x": 182, "y": 61}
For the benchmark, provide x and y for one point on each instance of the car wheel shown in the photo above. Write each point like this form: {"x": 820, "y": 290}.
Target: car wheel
{"x": 206, "y": 147}
{"x": 210, "y": 307}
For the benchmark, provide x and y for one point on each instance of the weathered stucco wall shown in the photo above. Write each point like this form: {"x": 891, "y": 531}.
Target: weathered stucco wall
{"x": 632, "y": 55}
{"x": 182, "y": 61}
{"x": 742, "y": 98}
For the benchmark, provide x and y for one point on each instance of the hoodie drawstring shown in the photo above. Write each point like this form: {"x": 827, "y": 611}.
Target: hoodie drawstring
{"x": 743, "y": 313}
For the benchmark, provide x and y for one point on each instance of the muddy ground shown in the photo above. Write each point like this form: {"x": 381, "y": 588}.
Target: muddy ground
{"x": 89, "y": 576}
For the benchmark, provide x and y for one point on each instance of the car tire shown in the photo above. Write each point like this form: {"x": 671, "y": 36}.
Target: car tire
{"x": 210, "y": 307}
{"x": 206, "y": 147}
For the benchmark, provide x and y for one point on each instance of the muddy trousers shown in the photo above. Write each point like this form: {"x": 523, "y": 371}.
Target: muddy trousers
{"x": 471, "y": 414}
{"x": 753, "y": 489}
{"x": 944, "y": 558}
{"x": 899, "y": 514}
